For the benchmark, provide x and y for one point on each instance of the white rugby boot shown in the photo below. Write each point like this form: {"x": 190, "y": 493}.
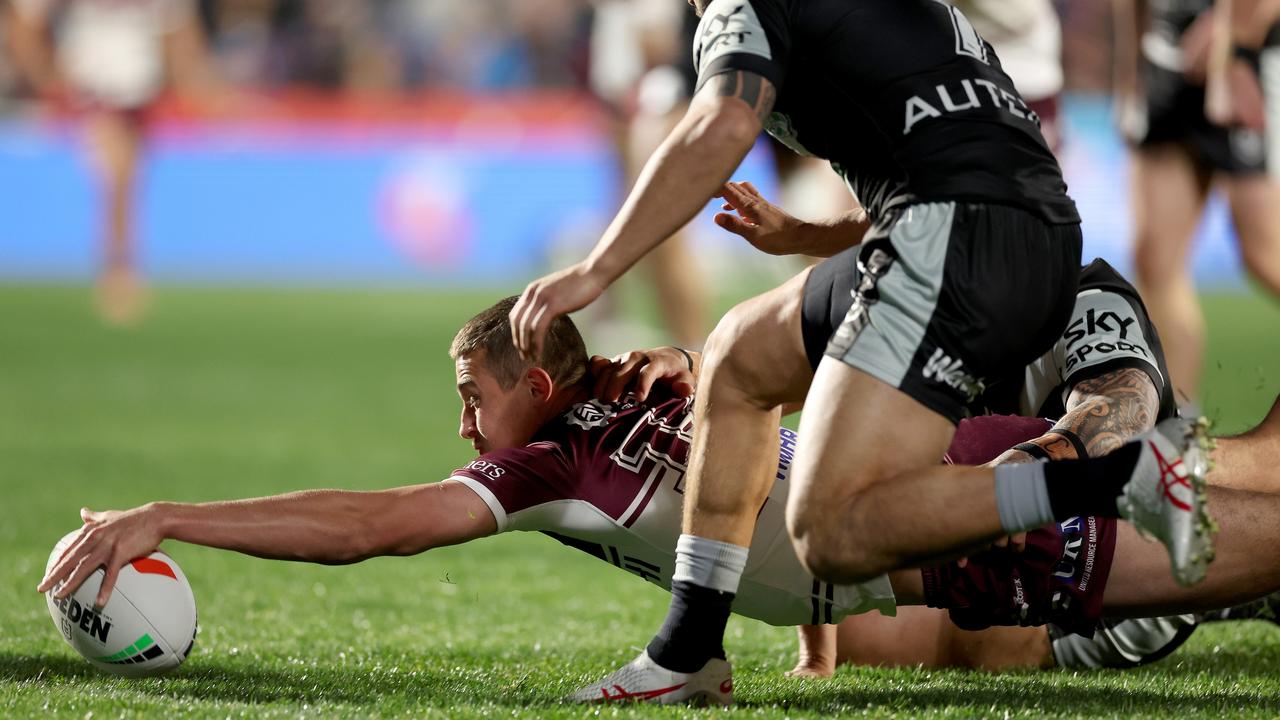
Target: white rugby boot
{"x": 1165, "y": 497}
{"x": 643, "y": 680}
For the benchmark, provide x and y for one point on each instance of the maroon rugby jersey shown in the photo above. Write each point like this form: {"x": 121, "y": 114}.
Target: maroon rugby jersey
{"x": 609, "y": 479}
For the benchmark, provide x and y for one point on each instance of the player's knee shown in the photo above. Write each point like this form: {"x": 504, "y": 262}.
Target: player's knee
{"x": 731, "y": 356}
{"x": 822, "y": 544}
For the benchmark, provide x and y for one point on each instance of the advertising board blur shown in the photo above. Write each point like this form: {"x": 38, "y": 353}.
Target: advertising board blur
{"x": 446, "y": 192}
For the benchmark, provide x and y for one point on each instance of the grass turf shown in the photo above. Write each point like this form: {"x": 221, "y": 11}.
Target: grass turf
{"x": 230, "y": 393}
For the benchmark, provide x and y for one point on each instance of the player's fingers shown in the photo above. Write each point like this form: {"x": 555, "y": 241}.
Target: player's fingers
{"x": 625, "y": 374}
{"x": 649, "y": 374}
{"x": 525, "y": 314}
{"x": 682, "y": 388}
{"x": 74, "y": 550}
{"x": 84, "y": 568}
{"x": 59, "y": 571}
{"x": 516, "y": 318}
{"x": 962, "y": 562}
{"x": 1018, "y": 542}
{"x": 537, "y": 329}
{"x": 1002, "y": 542}
{"x": 736, "y": 225}
{"x": 747, "y": 186}
{"x": 746, "y": 204}
{"x": 108, "y": 584}
{"x": 736, "y": 194}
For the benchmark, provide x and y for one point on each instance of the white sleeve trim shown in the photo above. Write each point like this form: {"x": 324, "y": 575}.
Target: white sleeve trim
{"x": 495, "y": 507}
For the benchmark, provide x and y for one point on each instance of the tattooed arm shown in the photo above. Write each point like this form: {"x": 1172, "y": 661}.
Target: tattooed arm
{"x": 1103, "y": 413}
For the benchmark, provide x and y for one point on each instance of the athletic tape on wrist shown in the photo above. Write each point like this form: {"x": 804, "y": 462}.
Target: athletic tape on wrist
{"x": 687, "y": 357}
{"x": 1033, "y": 450}
{"x": 1076, "y": 443}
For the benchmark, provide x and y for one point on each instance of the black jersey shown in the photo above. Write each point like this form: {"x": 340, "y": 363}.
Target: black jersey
{"x": 1109, "y": 329}
{"x": 903, "y": 97}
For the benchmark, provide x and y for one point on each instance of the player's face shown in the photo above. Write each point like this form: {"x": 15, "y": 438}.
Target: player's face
{"x": 493, "y": 418}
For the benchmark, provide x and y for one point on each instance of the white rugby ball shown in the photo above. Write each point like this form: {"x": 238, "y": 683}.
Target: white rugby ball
{"x": 148, "y": 626}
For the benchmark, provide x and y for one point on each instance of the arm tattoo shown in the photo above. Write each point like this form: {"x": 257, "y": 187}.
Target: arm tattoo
{"x": 1107, "y": 411}
{"x": 749, "y": 87}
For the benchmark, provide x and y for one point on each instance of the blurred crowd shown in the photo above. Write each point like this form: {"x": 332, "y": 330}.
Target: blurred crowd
{"x": 369, "y": 45}
{"x": 411, "y": 45}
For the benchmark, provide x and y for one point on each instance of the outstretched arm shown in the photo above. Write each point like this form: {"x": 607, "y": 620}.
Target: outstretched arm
{"x": 332, "y": 527}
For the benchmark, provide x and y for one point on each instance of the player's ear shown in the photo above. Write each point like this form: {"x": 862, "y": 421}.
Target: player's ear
{"x": 540, "y": 383}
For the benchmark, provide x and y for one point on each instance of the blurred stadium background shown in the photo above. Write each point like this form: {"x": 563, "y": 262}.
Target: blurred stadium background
{"x": 371, "y": 174}
{"x": 419, "y": 142}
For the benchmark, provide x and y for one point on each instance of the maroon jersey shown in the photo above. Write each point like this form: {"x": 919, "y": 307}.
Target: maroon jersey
{"x": 608, "y": 479}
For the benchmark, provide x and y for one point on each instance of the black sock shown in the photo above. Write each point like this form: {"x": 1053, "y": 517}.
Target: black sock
{"x": 693, "y": 632}
{"x": 1090, "y": 486}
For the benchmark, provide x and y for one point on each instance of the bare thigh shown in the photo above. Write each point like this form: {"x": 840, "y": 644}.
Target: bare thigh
{"x": 1255, "y": 212}
{"x": 1169, "y": 191}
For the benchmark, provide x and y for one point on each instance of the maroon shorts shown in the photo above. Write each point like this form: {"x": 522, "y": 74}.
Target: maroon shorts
{"x": 1059, "y": 578}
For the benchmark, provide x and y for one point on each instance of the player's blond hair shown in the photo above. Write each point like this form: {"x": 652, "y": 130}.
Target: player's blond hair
{"x": 564, "y": 355}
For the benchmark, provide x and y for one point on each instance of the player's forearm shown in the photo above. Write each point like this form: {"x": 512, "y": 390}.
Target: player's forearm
{"x": 690, "y": 166}
{"x": 321, "y": 526}
{"x": 1110, "y": 410}
{"x": 1102, "y": 414}
{"x": 828, "y": 237}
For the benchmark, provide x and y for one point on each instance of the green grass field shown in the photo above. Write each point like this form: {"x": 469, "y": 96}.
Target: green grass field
{"x": 226, "y": 394}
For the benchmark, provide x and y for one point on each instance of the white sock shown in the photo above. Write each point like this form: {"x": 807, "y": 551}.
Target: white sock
{"x": 709, "y": 563}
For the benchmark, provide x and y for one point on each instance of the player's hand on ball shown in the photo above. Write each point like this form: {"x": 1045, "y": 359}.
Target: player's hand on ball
{"x": 108, "y": 540}
{"x": 547, "y": 298}
{"x": 757, "y": 220}
{"x": 639, "y": 370}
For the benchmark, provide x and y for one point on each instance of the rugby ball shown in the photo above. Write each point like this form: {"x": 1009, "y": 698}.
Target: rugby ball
{"x": 147, "y": 627}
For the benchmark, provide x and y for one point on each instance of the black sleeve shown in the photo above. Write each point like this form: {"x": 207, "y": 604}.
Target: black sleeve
{"x": 750, "y": 35}
{"x": 1108, "y": 331}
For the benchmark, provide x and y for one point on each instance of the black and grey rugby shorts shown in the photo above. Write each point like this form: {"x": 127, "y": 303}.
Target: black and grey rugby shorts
{"x": 1175, "y": 115}
{"x": 943, "y": 297}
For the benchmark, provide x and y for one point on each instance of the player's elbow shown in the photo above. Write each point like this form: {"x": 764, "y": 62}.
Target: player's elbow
{"x": 726, "y": 124}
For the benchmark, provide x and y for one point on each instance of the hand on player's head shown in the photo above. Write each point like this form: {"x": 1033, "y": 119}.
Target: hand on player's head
{"x": 108, "y": 540}
{"x": 636, "y": 372}
{"x": 547, "y": 298}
